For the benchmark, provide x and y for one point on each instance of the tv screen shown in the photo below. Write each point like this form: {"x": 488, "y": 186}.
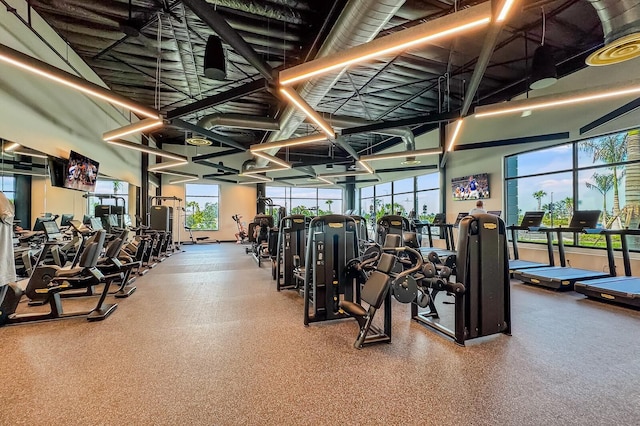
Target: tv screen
{"x": 82, "y": 173}
{"x": 470, "y": 187}
{"x": 66, "y": 218}
{"x": 57, "y": 171}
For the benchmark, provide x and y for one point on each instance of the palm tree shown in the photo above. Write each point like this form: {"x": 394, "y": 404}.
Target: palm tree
{"x": 603, "y": 184}
{"x": 117, "y": 186}
{"x": 538, "y": 196}
{"x": 611, "y": 150}
{"x": 328, "y": 203}
{"x": 632, "y": 186}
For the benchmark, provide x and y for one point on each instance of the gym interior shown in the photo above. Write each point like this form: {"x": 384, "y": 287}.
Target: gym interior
{"x": 239, "y": 212}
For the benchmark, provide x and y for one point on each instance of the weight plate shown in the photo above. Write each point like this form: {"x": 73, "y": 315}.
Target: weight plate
{"x": 405, "y": 289}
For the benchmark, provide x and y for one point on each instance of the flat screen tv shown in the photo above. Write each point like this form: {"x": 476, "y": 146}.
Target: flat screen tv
{"x": 472, "y": 187}
{"x": 82, "y": 173}
{"x": 57, "y": 171}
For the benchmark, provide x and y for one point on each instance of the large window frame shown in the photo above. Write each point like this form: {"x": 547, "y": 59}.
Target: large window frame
{"x": 309, "y": 201}
{"x": 106, "y": 186}
{"x": 202, "y": 205}
{"x": 577, "y": 175}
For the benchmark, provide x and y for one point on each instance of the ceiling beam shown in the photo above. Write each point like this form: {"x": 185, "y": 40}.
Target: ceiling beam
{"x": 513, "y": 141}
{"x": 208, "y": 133}
{"x": 217, "y": 166}
{"x": 616, "y": 113}
{"x": 208, "y": 15}
{"x": 390, "y": 124}
{"x": 219, "y": 98}
{"x": 216, "y": 154}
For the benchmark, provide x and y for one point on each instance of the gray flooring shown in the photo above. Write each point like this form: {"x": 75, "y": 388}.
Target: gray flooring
{"x": 207, "y": 340}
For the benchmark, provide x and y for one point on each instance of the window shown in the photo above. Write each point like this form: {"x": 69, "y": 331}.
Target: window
{"x": 109, "y": 188}
{"x": 8, "y": 186}
{"x": 307, "y": 201}
{"x": 202, "y": 206}
{"x": 600, "y": 173}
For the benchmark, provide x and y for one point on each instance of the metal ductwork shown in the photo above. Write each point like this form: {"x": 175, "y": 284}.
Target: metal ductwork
{"x": 359, "y": 22}
{"x": 239, "y": 121}
{"x": 343, "y": 122}
{"x": 621, "y": 26}
{"x": 248, "y": 165}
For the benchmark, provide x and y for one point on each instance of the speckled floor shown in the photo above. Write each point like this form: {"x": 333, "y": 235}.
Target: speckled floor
{"x": 206, "y": 340}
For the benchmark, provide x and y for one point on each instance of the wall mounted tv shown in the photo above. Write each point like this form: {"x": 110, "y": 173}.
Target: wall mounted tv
{"x": 82, "y": 173}
{"x": 470, "y": 187}
{"x": 57, "y": 171}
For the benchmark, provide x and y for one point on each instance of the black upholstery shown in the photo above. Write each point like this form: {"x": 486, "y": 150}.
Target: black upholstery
{"x": 373, "y": 293}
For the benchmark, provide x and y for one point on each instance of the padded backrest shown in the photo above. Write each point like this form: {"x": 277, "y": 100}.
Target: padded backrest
{"x": 392, "y": 241}
{"x": 410, "y": 239}
{"x": 386, "y": 263}
{"x": 375, "y": 289}
{"x": 91, "y": 253}
{"x": 113, "y": 248}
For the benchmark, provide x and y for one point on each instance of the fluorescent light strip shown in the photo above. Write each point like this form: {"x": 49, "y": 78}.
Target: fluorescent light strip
{"x": 303, "y": 106}
{"x": 505, "y": 10}
{"x": 166, "y": 165}
{"x": 258, "y": 178}
{"x": 35, "y": 66}
{"x": 259, "y": 170}
{"x": 181, "y": 174}
{"x": 558, "y": 100}
{"x": 287, "y": 143}
{"x": 146, "y": 124}
{"x": 12, "y": 146}
{"x": 340, "y": 174}
{"x": 175, "y": 182}
{"x": 467, "y": 19}
{"x": 320, "y": 178}
{"x": 272, "y": 159}
{"x": 454, "y": 137}
{"x": 403, "y": 154}
{"x": 147, "y": 149}
{"x": 365, "y": 166}
{"x": 29, "y": 154}
{"x": 20, "y": 172}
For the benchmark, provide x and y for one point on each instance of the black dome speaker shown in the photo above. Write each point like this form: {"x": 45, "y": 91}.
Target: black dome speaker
{"x": 215, "y": 64}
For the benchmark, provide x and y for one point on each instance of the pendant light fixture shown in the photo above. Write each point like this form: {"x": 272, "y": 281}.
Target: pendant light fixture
{"x": 543, "y": 67}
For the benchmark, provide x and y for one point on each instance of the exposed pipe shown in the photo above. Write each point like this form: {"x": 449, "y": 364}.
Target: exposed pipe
{"x": 342, "y": 122}
{"x": 359, "y": 22}
{"x": 240, "y": 121}
{"x": 621, "y": 26}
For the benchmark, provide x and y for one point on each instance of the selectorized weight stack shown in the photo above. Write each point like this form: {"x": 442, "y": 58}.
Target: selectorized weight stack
{"x": 291, "y": 249}
{"x": 483, "y": 307}
{"x": 331, "y": 243}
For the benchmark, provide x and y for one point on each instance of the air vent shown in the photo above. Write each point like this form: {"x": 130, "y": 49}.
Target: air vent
{"x": 198, "y": 141}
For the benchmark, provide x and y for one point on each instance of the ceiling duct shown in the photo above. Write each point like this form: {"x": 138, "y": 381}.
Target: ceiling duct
{"x": 359, "y": 23}
{"x": 240, "y": 121}
{"x": 343, "y": 122}
{"x": 621, "y": 26}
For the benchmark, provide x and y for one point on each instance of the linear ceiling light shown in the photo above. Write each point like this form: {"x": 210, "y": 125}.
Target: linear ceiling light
{"x": 273, "y": 159}
{"x": 303, "y": 106}
{"x": 455, "y": 134}
{"x": 402, "y": 154}
{"x": 560, "y": 99}
{"x": 258, "y": 178}
{"x": 175, "y": 182}
{"x": 166, "y": 165}
{"x": 147, "y": 149}
{"x": 288, "y": 142}
{"x": 464, "y": 20}
{"x": 12, "y": 146}
{"x": 506, "y": 7}
{"x": 30, "y": 154}
{"x": 365, "y": 165}
{"x": 22, "y": 172}
{"x": 35, "y": 66}
{"x": 346, "y": 173}
{"x": 252, "y": 172}
{"x": 146, "y": 124}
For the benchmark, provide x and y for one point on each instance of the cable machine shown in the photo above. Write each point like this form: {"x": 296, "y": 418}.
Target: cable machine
{"x": 160, "y": 217}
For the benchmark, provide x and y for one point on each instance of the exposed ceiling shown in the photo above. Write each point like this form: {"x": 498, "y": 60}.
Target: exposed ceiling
{"x": 152, "y": 51}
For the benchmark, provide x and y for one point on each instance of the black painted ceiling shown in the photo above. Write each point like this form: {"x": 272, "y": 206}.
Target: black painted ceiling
{"x": 162, "y": 66}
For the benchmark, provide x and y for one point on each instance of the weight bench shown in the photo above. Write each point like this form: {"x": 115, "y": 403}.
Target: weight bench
{"x": 374, "y": 292}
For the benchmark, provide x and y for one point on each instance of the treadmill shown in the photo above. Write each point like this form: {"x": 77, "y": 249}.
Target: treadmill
{"x": 440, "y": 221}
{"x": 624, "y": 290}
{"x": 563, "y": 277}
{"x": 531, "y": 221}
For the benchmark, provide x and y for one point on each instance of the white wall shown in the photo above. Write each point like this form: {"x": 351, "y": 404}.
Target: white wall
{"x": 234, "y": 199}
